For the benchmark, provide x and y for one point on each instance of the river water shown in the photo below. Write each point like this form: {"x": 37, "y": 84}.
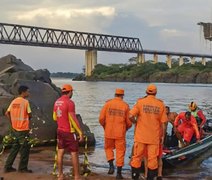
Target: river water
{"x": 89, "y": 98}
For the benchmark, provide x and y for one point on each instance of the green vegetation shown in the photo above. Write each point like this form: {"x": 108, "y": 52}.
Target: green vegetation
{"x": 158, "y": 72}
{"x": 64, "y": 75}
{"x": 128, "y": 70}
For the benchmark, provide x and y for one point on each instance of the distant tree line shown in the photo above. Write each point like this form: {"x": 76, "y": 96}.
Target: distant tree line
{"x": 158, "y": 72}
{"x": 64, "y": 75}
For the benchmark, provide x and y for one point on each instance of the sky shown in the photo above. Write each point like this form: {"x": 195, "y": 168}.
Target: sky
{"x": 167, "y": 25}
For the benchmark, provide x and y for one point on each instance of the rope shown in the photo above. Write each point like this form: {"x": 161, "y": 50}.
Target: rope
{"x": 9, "y": 139}
{"x": 86, "y": 165}
{"x": 55, "y": 162}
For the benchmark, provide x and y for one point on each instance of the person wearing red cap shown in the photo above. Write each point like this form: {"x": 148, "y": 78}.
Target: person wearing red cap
{"x": 67, "y": 127}
{"x": 150, "y": 117}
{"x": 186, "y": 125}
{"x": 114, "y": 117}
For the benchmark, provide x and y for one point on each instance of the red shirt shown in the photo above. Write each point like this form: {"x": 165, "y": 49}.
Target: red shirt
{"x": 64, "y": 114}
{"x": 188, "y": 123}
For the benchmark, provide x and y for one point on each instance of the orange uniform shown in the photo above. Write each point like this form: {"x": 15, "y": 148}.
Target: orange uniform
{"x": 150, "y": 113}
{"x": 19, "y": 113}
{"x": 114, "y": 118}
{"x": 187, "y": 127}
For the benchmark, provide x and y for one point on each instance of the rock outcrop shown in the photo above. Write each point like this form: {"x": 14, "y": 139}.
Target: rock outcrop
{"x": 43, "y": 93}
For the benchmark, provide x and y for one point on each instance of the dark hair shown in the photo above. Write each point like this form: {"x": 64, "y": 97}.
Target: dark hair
{"x": 167, "y": 107}
{"x": 119, "y": 95}
{"x": 65, "y": 92}
{"x": 22, "y": 89}
{"x": 188, "y": 114}
{"x": 151, "y": 93}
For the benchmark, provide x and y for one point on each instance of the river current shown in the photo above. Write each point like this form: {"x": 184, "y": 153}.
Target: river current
{"x": 89, "y": 97}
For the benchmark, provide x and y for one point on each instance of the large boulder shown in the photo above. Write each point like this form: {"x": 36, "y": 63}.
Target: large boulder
{"x": 43, "y": 93}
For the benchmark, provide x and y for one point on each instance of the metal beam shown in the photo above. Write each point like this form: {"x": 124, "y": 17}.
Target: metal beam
{"x": 56, "y": 38}
{"x": 46, "y": 37}
{"x": 146, "y": 51}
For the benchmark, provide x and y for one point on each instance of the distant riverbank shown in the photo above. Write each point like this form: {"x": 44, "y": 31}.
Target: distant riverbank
{"x": 149, "y": 72}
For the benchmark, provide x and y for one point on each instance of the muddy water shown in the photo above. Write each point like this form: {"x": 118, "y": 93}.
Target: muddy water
{"x": 90, "y": 97}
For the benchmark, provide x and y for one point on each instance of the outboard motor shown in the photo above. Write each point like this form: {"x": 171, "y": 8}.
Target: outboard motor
{"x": 208, "y": 126}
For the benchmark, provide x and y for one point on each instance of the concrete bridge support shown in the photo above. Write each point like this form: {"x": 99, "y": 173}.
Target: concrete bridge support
{"x": 181, "y": 61}
{"x": 192, "y": 60}
{"x": 90, "y": 61}
{"x": 141, "y": 58}
{"x": 155, "y": 58}
{"x": 203, "y": 61}
{"x": 169, "y": 61}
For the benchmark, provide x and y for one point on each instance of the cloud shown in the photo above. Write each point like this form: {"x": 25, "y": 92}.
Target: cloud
{"x": 87, "y": 19}
{"x": 160, "y": 25}
{"x": 66, "y": 13}
{"x": 171, "y": 33}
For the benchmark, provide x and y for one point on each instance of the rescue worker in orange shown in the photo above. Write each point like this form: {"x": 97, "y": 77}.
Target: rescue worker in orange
{"x": 67, "y": 127}
{"x": 187, "y": 127}
{"x": 19, "y": 114}
{"x": 114, "y": 117}
{"x": 199, "y": 116}
{"x": 150, "y": 117}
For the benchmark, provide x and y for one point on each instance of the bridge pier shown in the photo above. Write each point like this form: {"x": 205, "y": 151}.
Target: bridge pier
{"x": 203, "y": 61}
{"x": 141, "y": 58}
{"x": 181, "y": 61}
{"x": 90, "y": 61}
{"x": 192, "y": 60}
{"x": 169, "y": 61}
{"x": 155, "y": 58}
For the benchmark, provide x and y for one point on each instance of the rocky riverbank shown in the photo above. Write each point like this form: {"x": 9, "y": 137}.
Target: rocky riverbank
{"x": 149, "y": 72}
{"x": 43, "y": 93}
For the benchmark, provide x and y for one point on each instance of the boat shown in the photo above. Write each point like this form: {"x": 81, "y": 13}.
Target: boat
{"x": 174, "y": 156}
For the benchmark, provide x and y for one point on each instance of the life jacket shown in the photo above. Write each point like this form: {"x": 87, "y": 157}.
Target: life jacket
{"x": 195, "y": 114}
{"x": 19, "y": 112}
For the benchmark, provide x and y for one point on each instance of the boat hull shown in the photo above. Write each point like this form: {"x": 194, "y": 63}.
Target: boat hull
{"x": 183, "y": 155}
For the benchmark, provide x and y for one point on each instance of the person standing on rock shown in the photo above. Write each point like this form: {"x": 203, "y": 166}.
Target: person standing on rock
{"x": 67, "y": 127}
{"x": 19, "y": 114}
{"x": 114, "y": 117}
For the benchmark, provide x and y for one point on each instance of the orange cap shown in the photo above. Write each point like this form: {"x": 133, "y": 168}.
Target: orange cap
{"x": 66, "y": 88}
{"x": 119, "y": 91}
{"x": 151, "y": 89}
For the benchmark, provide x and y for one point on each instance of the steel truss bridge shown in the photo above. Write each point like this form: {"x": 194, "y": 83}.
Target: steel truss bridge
{"x": 56, "y": 38}
{"x": 47, "y": 37}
